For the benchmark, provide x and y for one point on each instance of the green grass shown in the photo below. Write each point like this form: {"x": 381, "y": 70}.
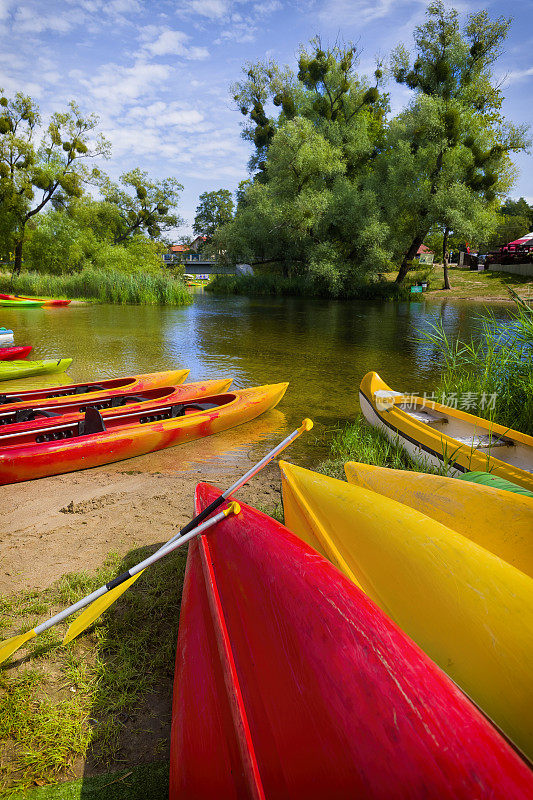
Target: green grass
{"x": 360, "y": 441}
{"x": 105, "y": 286}
{"x": 140, "y": 783}
{"x": 87, "y": 700}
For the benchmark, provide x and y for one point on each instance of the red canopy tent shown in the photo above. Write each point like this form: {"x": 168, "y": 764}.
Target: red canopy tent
{"x": 527, "y": 239}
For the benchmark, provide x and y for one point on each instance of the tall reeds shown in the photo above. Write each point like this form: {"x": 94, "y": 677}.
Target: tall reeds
{"x": 106, "y": 286}
{"x": 494, "y": 370}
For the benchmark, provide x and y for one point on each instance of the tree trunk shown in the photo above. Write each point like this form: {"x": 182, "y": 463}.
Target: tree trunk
{"x": 410, "y": 254}
{"x": 445, "y": 258}
{"x": 18, "y": 257}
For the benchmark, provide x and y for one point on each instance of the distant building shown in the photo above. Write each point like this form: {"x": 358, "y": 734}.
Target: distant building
{"x": 423, "y": 249}
{"x": 198, "y": 243}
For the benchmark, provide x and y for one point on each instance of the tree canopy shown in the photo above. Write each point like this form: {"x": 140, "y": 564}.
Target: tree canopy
{"x": 214, "y": 210}
{"x": 338, "y": 188}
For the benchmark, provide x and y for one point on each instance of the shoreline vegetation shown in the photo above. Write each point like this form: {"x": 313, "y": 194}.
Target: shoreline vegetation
{"x": 101, "y": 285}
{"x": 466, "y": 285}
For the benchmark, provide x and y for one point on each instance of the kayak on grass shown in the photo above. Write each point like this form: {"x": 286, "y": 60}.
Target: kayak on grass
{"x": 94, "y": 441}
{"x": 446, "y": 437}
{"x": 109, "y": 388}
{"x": 10, "y": 353}
{"x": 45, "y": 301}
{"x": 20, "y": 303}
{"x": 12, "y": 370}
{"x": 497, "y": 520}
{"x": 469, "y": 610}
{"x": 72, "y": 411}
{"x": 291, "y": 683}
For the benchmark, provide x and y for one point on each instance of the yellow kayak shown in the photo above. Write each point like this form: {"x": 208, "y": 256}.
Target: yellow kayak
{"x": 499, "y": 521}
{"x": 445, "y": 437}
{"x": 469, "y": 610}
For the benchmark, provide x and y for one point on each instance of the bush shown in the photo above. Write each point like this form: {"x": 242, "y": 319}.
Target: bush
{"x": 106, "y": 286}
{"x": 313, "y": 285}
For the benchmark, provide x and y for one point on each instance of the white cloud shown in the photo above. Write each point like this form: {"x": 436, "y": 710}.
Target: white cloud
{"x": 212, "y": 9}
{"x": 171, "y": 42}
{"x": 117, "y": 84}
{"x": 268, "y": 7}
{"x": 28, "y": 19}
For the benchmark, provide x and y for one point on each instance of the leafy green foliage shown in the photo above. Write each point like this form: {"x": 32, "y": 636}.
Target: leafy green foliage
{"x": 214, "y": 210}
{"x": 142, "y": 205}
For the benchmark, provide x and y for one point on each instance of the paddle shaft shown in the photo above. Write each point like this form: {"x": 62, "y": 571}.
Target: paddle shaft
{"x": 161, "y": 553}
{"x": 238, "y": 484}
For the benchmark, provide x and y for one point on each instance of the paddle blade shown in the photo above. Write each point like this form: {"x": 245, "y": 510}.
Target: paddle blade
{"x": 8, "y": 647}
{"x": 92, "y": 612}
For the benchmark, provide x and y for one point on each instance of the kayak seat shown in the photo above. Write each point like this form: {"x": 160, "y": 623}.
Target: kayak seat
{"x": 113, "y": 402}
{"x": 86, "y": 389}
{"x": 176, "y": 411}
{"x": 424, "y": 416}
{"x": 92, "y": 423}
{"x": 4, "y": 398}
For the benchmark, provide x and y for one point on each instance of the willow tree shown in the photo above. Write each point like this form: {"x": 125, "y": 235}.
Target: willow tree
{"x": 446, "y": 158}
{"x": 315, "y": 135}
{"x": 37, "y": 166}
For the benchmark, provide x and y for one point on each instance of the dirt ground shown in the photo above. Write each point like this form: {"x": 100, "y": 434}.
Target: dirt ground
{"x": 69, "y": 523}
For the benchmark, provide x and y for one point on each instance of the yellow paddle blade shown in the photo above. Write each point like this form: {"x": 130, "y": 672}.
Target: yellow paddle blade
{"x": 8, "y": 647}
{"x": 92, "y": 612}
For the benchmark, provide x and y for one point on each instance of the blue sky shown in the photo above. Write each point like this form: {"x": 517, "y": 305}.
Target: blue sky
{"x": 158, "y": 71}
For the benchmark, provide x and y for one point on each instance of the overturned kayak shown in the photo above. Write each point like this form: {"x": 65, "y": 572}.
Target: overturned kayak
{"x": 10, "y": 353}
{"x": 445, "y": 437}
{"x": 291, "y": 683}
{"x": 469, "y": 610}
{"x": 51, "y": 449}
{"x": 73, "y": 409}
{"x": 12, "y": 370}
{"x": 113, "y": 387}
{"x": 6, "y": 335}
{"x": 45, "y": 301}
{"x": 497, "y": 520}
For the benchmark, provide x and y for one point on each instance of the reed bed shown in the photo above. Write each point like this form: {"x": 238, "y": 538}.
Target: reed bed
{"x": 494, "y": 370}
{"x": 105, "y": 286}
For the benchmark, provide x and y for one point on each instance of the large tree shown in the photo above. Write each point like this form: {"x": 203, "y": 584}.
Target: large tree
{"x": 143, "y": 205}
{"x": 214, "y": 210}
{"x": 37, "y": 166}
{"x": 446, "y": 158}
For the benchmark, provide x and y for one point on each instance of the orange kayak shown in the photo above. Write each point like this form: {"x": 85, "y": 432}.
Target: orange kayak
{"x": 52, "y": 449}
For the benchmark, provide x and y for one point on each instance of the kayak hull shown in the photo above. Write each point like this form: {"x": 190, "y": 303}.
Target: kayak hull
{"x": 446, "y": 438}
{"x": 495, "y": 519}
{"x": 469, "y": 610}
{"x": 13, "y": 370}
{"x": 10, "y": 353}
{"x": 29, "y": 461}
{"x": 37, "y": 398}
{"x": 291, "y": 683}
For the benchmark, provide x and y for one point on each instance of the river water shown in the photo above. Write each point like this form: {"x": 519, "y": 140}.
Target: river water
{"x": 323, "y": 348}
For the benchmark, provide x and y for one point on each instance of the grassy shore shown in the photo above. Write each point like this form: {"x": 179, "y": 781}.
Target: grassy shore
{"x": 62, "y": 704}
{"x": 103, "y": 286}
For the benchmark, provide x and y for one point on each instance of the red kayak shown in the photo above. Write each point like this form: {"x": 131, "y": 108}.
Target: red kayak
{"x": 46, "y": 301}
{"x": 9, "y": 353}
{"x": 290, "y": 683}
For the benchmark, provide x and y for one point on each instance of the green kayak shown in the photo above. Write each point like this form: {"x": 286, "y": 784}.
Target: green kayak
{"x": 10, "y": 370}
{"x": 21, "y": 303}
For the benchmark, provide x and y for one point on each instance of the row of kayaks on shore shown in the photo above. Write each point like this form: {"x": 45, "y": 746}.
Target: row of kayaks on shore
{"x": 19, "y": 301}
{"x": 438, "y": 436}
{"x": 312, "y": 659}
